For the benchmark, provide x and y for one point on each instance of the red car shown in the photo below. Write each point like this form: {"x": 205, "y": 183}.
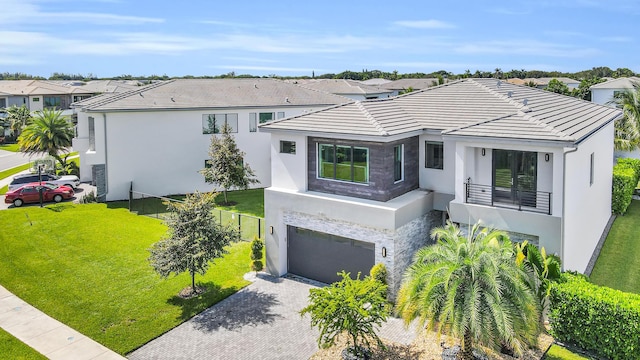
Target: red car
{"x": 30, "y": 193}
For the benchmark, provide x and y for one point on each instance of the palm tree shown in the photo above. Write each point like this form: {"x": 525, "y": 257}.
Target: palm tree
{"x": 471, "y": 288}
{"x": 49, "y": 133}
{"x": 627, "y": 128}
{"x": 18, "y": 118}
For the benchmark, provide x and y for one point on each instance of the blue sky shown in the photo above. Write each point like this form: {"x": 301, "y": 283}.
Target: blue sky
{"x": 292, "y": 38}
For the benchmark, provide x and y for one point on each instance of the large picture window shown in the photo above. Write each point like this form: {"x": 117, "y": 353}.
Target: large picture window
{"x": 343, "y": 162}
{"x": 52, "y": 101}
{"x": 213, "y": 123}
{"x": 434, "y": 157}
{"x": 253, "y": 122}
{"x": 265, "y": 117}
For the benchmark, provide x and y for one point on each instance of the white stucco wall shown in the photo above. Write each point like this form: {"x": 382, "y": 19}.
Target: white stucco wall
{"x": 36, "y": 105}
{"x": 289, "y": 171}
{"x": 161, "y": 152}
{"x": 602, "y": 96}
{"x": 588, "y": 206}
{"x": 438, "y": 180}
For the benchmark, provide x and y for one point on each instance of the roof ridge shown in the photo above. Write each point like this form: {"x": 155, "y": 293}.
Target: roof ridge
{"x": 485, "y": 121}
{"x": 371, "y": 119}
{"x": 120, "y": 96}
{"x": 546, "y": 126}
{"x": 306, "y": 113}
{"x": 519, "y": 106}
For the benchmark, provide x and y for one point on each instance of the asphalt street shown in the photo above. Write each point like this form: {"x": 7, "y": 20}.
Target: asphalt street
{"x": 10, "y": 159}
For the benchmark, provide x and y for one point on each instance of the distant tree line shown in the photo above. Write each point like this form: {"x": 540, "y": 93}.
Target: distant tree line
{"x": 365, "y": 74}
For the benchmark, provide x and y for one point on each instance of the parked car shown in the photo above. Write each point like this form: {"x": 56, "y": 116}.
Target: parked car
{"x": 30, "y": 193}
{"x": 71, "y": 181}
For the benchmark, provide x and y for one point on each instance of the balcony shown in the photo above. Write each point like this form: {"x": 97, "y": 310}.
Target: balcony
{"x": 517, "y": 199}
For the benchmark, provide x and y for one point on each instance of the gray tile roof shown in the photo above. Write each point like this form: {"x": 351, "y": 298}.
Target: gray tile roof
{"x": 619, "y": 83}
{"x": 345, "y": 87}
{"x": 211, "y": 93}
{"x": 416, "y": 84}
{"x": 469, "y": 107}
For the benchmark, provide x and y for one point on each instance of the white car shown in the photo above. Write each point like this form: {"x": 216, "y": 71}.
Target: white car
{"x": 71, "y": 181}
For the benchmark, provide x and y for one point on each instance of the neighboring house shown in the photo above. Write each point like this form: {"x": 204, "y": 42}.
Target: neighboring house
{"x": 348, "y": 88}
{"x": 604, "y": 92}
{"x": 542, "y": 83}
{"x": 369, "y": 180}
{"x": 157, "y": 137}
{"x": 401, "y": 85}
{"x": 375, "y": 82}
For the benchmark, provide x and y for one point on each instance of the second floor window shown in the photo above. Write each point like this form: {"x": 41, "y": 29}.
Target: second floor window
{"x": 287, "y": 147}
{"x": 92, "y": 134}
{"x": 398, "y": 163}
{"x": 342, "y": 162}
{"x": 52, "y": 101}
{"x": 213, "y": 123}
{"x": 434, "y": 157}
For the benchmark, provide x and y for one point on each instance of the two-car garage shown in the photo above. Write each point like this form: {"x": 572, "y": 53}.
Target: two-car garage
{"x": 320, "y": 256}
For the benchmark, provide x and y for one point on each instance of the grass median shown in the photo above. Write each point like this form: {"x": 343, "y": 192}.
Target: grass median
{"x": 86, "y": 265}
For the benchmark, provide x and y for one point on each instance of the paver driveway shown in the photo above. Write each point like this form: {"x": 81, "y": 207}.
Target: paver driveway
{"x": 261, "y": 321}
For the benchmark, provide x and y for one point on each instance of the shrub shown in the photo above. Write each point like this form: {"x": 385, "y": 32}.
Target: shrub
{"x": 379, "y": 273}
{"x": 256, "y": 254}
{"x": 90, "y": 197}
{"x": 624, "y": 184}
{"x": 596, "y": 318}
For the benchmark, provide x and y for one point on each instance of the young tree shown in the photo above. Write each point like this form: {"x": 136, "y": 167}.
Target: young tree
{"x": 256, "y": 254}
{"x": 351, "y": 306}
{"x": 558, "y": 87}
{"x": 193, "y": 240}
{"x": 49, "y": 133}
{"x": 471, "y": 288}
{"x": 226, "y": 167}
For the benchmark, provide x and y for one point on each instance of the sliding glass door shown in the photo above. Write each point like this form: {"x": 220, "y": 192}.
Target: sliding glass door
{"x": 514, "y": 177}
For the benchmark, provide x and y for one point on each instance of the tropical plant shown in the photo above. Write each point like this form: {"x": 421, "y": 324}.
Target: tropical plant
{"x": 557, "y": 87}
{"x": 256, "y": 254}
{"x": 627, "y": 128}
{"x": 471, "y": 288}
{"x": 226, "y": 166}
{"x": 18, "y": 118}
{"x": 49, "y": 133}
{"x": 542, "y": 270}
{"x": 193, "y": 240}
{"x": 352, "y": 306}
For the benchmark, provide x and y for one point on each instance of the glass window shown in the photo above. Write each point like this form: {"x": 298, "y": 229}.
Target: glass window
{"x": 280, "y": 114}
{"x": 592, "y": 170}
{"x": 51, "y": 101}
{"x": 36, "y": 99}
{"x": 207, "y": 164}
{"x": 345, "y": 163}
{"x": 3, "y": 104}
{"x": 213, "y": 123}
{"x": 253, "y": 122}
{"x": 434, "y": 156}
{"x": 398, "y": 168}
{"x": 264, "y": 117}
{"x": 287, "y": 147}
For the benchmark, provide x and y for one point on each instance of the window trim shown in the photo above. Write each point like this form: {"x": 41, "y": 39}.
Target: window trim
{"x": 352, "y": 148}
{"x": 401, "y": 179}
{"x": 427, "y": 152}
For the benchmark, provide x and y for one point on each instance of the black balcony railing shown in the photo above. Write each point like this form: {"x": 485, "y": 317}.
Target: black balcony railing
{"x": 522, "y": 200}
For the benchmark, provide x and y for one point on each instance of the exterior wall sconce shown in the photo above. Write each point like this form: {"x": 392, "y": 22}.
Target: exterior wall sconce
{"x": 270, "y": 229}
{"x": 384, "y": 252}
{"x": 484, "y": 152}
{"x": 546, "y": 157}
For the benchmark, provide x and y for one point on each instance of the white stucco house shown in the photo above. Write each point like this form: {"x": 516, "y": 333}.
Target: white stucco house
{"x": 368, "y": 180}
{"x": 604, "y": 92}
{"x": 157, "y": 137}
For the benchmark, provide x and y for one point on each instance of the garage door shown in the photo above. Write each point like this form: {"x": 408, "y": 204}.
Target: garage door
{"x": 319, "y": 256}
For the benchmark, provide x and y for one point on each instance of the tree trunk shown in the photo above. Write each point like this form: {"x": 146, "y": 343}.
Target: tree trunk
{"x": 466, "y": 352}
{"x": 193, "y": 281}
{"x": 224, "y": 192}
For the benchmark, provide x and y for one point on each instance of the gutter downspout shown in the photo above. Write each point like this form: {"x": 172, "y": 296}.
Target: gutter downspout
{"x": 564, "y": 198}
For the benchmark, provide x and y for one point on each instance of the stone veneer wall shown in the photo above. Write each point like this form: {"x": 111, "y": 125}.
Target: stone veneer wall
{"x": 409, "y": 239}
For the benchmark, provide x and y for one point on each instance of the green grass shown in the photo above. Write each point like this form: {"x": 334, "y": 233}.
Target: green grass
{"x": 4, "y": 189}
{"x": 620, "y": 254}
{"x": 14, "y": 170}
{"x": 557, "y": 352}
{"x": 12, "y": 348}
{"x": 86, "y": 265}
{"x": 250, "y": 202}
{"x": 10, "y": 147}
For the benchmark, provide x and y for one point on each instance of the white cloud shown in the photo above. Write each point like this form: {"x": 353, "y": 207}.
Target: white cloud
{"x": 424, "y": 24}
{"x": 525, "y": 47}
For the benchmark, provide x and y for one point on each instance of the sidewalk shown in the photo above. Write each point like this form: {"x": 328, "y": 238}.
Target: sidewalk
{"x": 46, "y": 335}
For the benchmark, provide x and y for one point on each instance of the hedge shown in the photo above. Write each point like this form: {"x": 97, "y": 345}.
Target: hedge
{"x": 598, "y": 319}
{"x": 626, "y": 174}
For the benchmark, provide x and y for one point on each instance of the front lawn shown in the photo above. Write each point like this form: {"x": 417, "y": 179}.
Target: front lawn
{"x": 86, "y": 265}
{"x": 12, "y": 348}
{"x": 618, "y": 261}
{"x": 10, "y": 147}
{"x": 557, "y": 352}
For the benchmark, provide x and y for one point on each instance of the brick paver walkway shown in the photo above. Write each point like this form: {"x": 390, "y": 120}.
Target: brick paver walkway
{"x": 261, "y": 321}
